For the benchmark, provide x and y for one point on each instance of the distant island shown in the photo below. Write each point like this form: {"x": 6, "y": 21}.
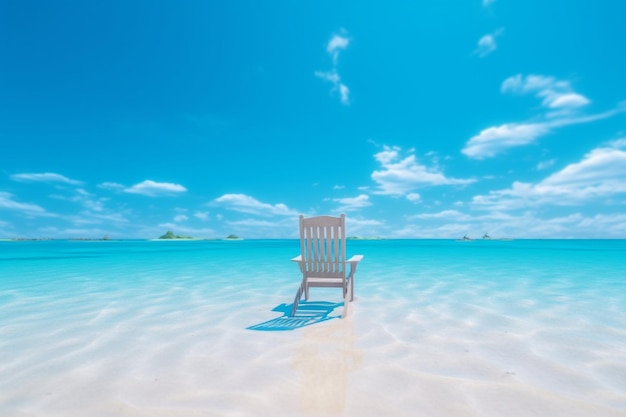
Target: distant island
{"x": 486, "y": 236}
{"x": 364, "y": 238}
{"x": 171, "y": 236}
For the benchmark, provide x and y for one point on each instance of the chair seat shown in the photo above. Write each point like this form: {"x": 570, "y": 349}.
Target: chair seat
{"x": 325, "y": 282}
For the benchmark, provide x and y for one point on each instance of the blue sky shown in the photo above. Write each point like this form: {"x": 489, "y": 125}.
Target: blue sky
{"x": 417, "y": 119}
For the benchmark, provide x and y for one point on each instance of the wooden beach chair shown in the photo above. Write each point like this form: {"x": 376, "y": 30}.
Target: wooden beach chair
{"x": 322, "y": 258}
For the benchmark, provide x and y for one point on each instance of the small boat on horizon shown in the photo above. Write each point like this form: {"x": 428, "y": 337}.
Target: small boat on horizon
{"x": 465, "y": 239}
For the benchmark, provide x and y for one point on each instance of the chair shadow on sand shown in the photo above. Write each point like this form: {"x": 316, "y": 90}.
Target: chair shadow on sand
{"x": 307, "y": 313}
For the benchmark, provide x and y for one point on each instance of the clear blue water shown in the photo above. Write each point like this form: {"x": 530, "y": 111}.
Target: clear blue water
{"x": 551, "y": 314}
{"x": 587, "y": 274}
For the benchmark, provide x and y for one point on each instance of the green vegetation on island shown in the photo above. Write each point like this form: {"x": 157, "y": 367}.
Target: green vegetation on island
{"x": 171, "y": 235}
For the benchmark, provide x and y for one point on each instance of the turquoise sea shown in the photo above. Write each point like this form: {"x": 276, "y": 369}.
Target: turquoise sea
{"x": 198, "y": 328}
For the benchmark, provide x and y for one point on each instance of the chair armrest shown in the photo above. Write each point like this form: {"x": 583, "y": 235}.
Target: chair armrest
{"x": 355, "y": 259}
{"x": 297, "y": 259}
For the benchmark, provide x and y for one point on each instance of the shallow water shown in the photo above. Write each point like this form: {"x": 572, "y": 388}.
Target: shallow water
{"x": 438, "y": 328}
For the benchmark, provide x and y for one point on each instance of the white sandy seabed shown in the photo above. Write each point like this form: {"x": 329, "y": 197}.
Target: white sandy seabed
{"x": 427, "y": 347}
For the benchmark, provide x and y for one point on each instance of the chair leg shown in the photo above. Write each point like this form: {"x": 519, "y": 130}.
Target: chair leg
{"x": 346, "y": 303}
{"x": 352, "y": 288}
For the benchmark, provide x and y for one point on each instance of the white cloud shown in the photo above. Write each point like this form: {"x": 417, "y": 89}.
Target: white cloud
{"x": 613, "y": 224}
{"x": 338, "y": 87}
{"x": 263, "y": 228}
{"x": 363, "y": 227}
{"x": 246, "y": 204}
{"x": 152, "y": 189}
{"x": 565, "y": 100}
{"x": 487, "y": 44}
{"x": 618, "y": 143}
{"x": 336, "y": 44}
{"x": 600, "y": 174}
{"x": 545, "y": 164}
{"x": 202, "y": 215}
{"x": 344, "y": 94}
{"x": 7, "y": 202}
{"x": 330, "y": 76}
{"x": 454, "y": 224}
{"x": 180, "y": 218}
{"x": 495, "y": 140}
{"x": 45, "y": 177}
{"x": 111, "y": 186}
{"x": 87, "y": 217}
{"x": 353, "y": 203}
{"x": 253, "y": 223}
{"x": 446, "y": 214}
{"x": 413, "y": 197}
{"x": 561, "y": 106}
{"x": 399, "y": 175}
{"x": 84, "y": 198}
{"x": 555, "y": 93}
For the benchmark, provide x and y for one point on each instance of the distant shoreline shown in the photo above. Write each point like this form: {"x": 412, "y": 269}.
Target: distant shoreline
{"x": 19, "y": 239}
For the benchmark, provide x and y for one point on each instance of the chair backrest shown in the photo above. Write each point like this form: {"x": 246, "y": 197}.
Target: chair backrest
{"x": 323, "y": 246}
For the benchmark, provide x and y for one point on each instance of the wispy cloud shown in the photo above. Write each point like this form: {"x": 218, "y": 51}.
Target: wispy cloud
{"x": 488, "y": 2}
{"x": 494, "y": 140}
{"x": 153, "y": 189}
{"x": 7, "y": 202}
{"x": 545, "y": 164}
{"x": 336, "y": 44}
{"x": 487, "y": 44}
{"x": 356, "y": 226}
{"x": 561, "y": 106}
{"x": 353, "y": 203}
{"x": 414, "y": 197}
{"x": 86, "y": 199}
{"x": 47, "y": 177}
{"x": 555, "y": 94}
{"x": 344, "y": 94}
{"x": 265, "y": 228}
{"x": 526, "y": 224}
{"x": 600, "y": 174}
{"x": 91, "y": 218}
{"x": 400, "y": 174}
{"x": 246, "y": 204}
{"x": 111, "y": 186}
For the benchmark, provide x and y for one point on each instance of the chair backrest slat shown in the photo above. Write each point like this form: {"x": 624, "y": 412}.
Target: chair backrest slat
{"x": 322, "y": 245}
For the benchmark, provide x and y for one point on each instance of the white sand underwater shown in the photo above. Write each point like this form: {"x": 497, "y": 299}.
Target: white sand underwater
{"x": 446, "y": 344}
